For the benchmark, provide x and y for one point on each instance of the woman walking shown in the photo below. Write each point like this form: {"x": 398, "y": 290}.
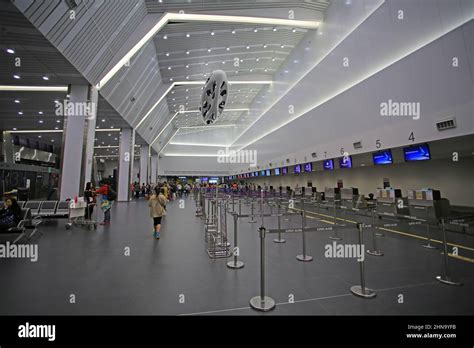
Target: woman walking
{"x": 157, "y": 204}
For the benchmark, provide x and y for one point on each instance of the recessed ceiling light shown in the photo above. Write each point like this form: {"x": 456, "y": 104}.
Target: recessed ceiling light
{"x": 58, "y": 121}
{"x": 206, "y": 64}
{"x": 255, "y": 30}
{"x": 274, "y": 29}
{"x": 14, "y": 128}
{"x": 251, "y": 70}
{"x": 286, "y": 71}
{"x": 282, "y": 46}
{"x": 223, "y": 62}
{"x": 39, "y": 136}
{"x": 109, "y": 135}
{"x": 10, "y": 50}
{"x": 233, "y": 31}
{"x": 187, "y": 90}
{"x": 294, "y": 30}
{"x": 296, "y": 61}
{"x": 187, "y": 52}
{"x": 112, "y": 127}
{"x": 58, "y": 128}
{"x": 258, "y": 59}
{"x": 167, "y": 54}
{"x": 165, "y": 37}
{"x": 265, "y": 70}
{"x": 227, "y": 48}
{"x": 16, "y": 77}
{"x": 169, "y": 68}
{"x": 40, "y": 112}
{"x": 97, "y": 127}
{"x": 40, "y": 121}
{"x": 208, "y": 50}
{"x": 265, "y": 46}
{"x": 248, "y": 47}
{"x": 20, "y": 112}
{"x": 273, "y": 59}
{"x": 56, "y": 101}
{"x": 46, "y": 78}
{"x": 212, "y": 33}
{"x": 187, "y": 77}
{"x": 187, "y": 35}
{"x": 52, "y": 140}
{"x": 17, "y": 101}
{"x": 187, "y": 66}
{"x": 171, "y": 79}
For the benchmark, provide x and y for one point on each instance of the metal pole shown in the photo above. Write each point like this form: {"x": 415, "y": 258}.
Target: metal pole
{"x": 361, "y": 290}
{"x": 235, "y": 264}
{"x": 447, "y": 278}
{"x": 428, "y": 245}
{"x": 374, "y": 252}
{"x": 262, "y": 303}
{"x": 303, "y": 257}
{"x": 252, "y": 216}
{"x": 335, "y": 236}
{"x": 279, "y": 239}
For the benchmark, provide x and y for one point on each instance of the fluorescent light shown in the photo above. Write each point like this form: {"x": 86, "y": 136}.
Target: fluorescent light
{"x": 198, "y": 144}
{"x": 187, "y": 17}
{"x": 34, "y": 88}
{"x": 171, "y": 137}
{"x": 46, "y": 78}
{"x": 10, "y": 50}
{"x": 37, "y": 131}
{"x": 190, "y": 155}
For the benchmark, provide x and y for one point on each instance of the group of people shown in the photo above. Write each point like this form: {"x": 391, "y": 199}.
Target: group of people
{"x": 108, "y": 195}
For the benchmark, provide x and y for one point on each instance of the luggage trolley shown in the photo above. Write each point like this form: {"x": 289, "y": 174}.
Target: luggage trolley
{"x": 77, "y": 215}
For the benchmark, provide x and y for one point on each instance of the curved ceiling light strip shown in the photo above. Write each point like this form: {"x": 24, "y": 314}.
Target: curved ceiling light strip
{"x": 184, "y": 17}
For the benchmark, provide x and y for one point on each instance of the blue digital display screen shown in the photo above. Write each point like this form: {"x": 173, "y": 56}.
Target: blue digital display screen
{"x": 252, "y": 174}
{"x": 382, "y": 157}
{"x": 256, "y": 173}
{"x": 417, "y": 153}
{"x": 345, "y": 162}
{"x": 268, "y": 172}
{"x": 297, "y": 169}
{"x": 277, "y": 171}
{"x": 284, "y": 170}
{"x": 204, "y": 179}
{"x": 308, "y": 167}
{"x": 328, "y": 164}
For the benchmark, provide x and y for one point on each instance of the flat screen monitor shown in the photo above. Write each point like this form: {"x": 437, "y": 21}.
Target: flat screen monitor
{"x": 328, "y": 164}
{"x": 252, "y": 174}
{"x": 308, "y": 167}
{"x": 277, "y": 171}
{"x": 297, "y": 169}
{"x": 345, "y": 162}
{"x": 262, "y": 173}
{"x": 419, "y": 152}
{"x": 382, "y": 157}
{"x": 204, "y": 179}
{"x": 284, "y": 170}
{"x": 268, "y": 172}
{"x": 256, "y": 173}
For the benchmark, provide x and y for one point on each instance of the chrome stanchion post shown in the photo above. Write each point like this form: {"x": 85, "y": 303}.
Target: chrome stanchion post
{"x": 361, "y": 290}
{"x": 335, "y": 236}
{"x": 262, "y": 303}
{"x": 235, "y": 264}
{"x": 240, "y": 206}
{"x": 374, "y": 251}
{"x": 279, "y": 239}
{"x": 447, "y": 278}
{"x": 428, "y": 231}
{"x": 252, "y": 212}
{"x": 303, "y": 257}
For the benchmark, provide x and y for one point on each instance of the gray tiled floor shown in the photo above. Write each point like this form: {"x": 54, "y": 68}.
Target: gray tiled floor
{"x": 92, "y": 266}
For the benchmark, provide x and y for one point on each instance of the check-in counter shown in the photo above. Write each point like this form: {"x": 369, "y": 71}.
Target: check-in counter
{"x": 351, "y": 198}
{"x": 332, "y": 195}
{"x": 390, "y": 201}
{"x": 428, "y": 205}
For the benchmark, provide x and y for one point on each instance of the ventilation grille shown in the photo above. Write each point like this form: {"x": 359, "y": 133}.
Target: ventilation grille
{"x": 446, "y": 124}
{"x": 357, "y": 145}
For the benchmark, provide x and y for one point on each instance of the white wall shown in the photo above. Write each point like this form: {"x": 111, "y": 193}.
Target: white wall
{"x": 453, "y": 179}
{"x": 189, "y": 165}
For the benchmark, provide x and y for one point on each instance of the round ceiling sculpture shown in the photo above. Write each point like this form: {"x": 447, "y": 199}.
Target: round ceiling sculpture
{"x": 214, "y": 97}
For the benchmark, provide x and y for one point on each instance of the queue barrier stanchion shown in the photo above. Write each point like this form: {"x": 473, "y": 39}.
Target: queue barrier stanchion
{"x": 303, "y": 257}
{"x": 279, "y": 239}
{"x": 335, "y": 236}
{"x": 361, "y": 290}
{"x": 235, "y": 263}
{"x": 262, "y": 302}
{"x": 428, "y": 245}
{"x": 447, "y": 277}
{"x": 252, "y": 213}
{"x": 374, "y": 251}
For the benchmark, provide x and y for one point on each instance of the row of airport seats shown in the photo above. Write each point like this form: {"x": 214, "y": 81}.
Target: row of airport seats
{"x": 46, "y": 208}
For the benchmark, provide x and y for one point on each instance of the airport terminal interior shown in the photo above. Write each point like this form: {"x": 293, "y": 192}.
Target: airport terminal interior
{"x": 218, "y": 157}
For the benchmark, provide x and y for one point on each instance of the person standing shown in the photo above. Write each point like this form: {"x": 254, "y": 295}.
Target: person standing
{"x": 157, "y": 204}
{"x": 108, "y": 195}
{"x": 89, "y": 195}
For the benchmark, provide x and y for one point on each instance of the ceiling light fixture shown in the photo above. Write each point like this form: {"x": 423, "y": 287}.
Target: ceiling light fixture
{"x": 34, "y": 88}
{"x": 10, "y": 50}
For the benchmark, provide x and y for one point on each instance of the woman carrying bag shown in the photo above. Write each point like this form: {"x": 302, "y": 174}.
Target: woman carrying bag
{"x": 157, "y": 204}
